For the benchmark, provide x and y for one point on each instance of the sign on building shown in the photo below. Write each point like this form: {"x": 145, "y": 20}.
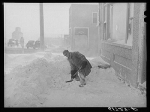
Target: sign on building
{"x": 81, "y": 31}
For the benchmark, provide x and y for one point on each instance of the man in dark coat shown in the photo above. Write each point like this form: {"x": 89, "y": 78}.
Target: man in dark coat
{"x": 80, "y": 66}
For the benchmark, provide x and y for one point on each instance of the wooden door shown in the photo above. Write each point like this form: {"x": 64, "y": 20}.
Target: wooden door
{"x": 81, "y": 39}
{"x": 81, "y": 43}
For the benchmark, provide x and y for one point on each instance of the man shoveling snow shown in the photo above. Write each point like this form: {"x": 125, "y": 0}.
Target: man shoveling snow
{"x": 80, "y": 66}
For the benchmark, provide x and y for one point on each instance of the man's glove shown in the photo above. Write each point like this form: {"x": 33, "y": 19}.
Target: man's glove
{"x": 84, "y": 63}
{"x": 73, "y": 75}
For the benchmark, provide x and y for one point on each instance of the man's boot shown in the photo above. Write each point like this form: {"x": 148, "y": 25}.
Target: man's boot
{"x": 70, "y": 80}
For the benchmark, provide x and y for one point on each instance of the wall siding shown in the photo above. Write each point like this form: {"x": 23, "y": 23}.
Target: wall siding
{"x": 128, "y": 62}
{"x": 142, "y": 48}
{"x": 121, "y": 51}
{"x": 135, "y": 45}
{"x": 124, "y": 61}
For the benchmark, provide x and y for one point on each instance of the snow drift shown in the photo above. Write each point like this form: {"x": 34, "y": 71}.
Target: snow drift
{"x": 38, "y": 80}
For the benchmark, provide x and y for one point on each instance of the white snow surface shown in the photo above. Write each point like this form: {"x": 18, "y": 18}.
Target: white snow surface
{"x": 38, "y": 80}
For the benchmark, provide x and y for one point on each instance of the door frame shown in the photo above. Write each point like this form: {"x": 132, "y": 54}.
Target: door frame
{"x": 87, "y": 37}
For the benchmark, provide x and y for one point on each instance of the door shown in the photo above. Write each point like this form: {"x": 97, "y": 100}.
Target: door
{"x": 81, "y": 39}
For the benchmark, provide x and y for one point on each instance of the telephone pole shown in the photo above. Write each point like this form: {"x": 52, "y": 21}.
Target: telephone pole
{"x": 41, "y": 27}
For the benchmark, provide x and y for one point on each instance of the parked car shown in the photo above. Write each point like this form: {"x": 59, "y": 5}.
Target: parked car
{"x": 33, "y": 44}
{"x": 13, "y": 42}
{"x": 37, "y": 44}
{"x": 30, "y": 44}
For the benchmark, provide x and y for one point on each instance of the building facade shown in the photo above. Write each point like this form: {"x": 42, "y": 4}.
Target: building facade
{"x": 122, "y": 40}
{"x": 83, "y": 29}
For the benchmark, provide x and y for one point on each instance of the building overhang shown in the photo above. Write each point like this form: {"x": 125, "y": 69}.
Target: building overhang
{"x": 105, "y": 4}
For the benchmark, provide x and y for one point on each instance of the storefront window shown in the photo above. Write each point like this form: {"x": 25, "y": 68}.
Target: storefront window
{"x": 120, "y": 20}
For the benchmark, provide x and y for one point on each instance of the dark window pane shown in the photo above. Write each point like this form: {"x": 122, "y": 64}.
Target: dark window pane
{"x": 94, "y": 20}
{"x": 94, "y": 17}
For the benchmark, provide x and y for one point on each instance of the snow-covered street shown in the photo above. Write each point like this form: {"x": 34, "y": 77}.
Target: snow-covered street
{"x": 38, "y": 80}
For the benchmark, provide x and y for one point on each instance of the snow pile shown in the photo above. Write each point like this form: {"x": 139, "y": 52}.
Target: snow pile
{"x": 48, "y": 56}
{"x": 58, "y": 49}
{"x": 25, "y": 84}
{"x": 13, "y": 60}
{"x": 34, "y": 79}
{"x": 99, "y": 75}
{"x": 39, "y": 80}
{"x": 95, "y": 61}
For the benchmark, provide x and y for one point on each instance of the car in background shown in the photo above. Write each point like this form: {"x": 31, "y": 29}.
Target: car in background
{"x": 37, "y": 44}
{"x": 13, "y": 42}
{"x": 30, "y": 44}
{"x": 33, "y": 44}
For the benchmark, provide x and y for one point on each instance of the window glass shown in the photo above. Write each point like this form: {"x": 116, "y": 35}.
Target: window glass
{"x": 119, "y": 16}
{"x": 130, "y": 26}
{"x": 105, "y": 13}
{"x": 94, "y": 17}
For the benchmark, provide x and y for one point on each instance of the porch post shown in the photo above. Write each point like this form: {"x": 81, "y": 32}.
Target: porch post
{"x": 142, "y": 47}
{"x": 135, "y": 45}
{"x": 101, "y": 25}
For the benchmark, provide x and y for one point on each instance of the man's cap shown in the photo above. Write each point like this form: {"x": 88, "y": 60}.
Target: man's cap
{"x": 65, "y": 52}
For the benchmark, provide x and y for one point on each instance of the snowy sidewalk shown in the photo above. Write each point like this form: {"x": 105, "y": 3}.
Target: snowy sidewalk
{"x": 99, "y": 92}
{"x": 38, "y": 80}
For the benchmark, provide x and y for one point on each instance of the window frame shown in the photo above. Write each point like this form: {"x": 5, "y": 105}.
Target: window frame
{"x": 105, "y": 12}
{"x": 111, "y": 21}
{"x": 105, "y": 22}
{"x": 96, "y": 17}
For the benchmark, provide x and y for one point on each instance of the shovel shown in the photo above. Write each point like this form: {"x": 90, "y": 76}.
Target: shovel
{"x": 74, "y": 74}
